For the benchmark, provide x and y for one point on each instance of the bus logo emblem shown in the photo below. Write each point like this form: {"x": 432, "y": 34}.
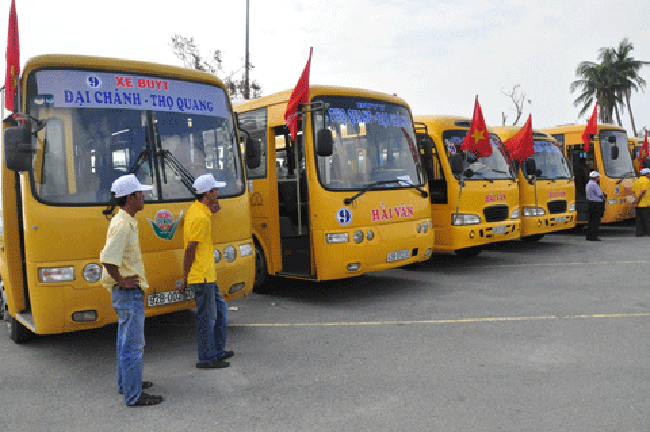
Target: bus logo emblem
{"x": 164, "y": 226}
{"x": 344, "y": 216}
{"x": 93, "y": 81}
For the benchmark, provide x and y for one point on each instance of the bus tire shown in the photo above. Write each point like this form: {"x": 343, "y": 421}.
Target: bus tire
{"x": 261, "y": 270}
{"x": 469, "y": 252}
{"x": 532, "y": 238}
{"x": 18, "y": 332}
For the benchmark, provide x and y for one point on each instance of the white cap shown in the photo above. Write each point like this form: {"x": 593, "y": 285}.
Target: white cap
{"x": 127, "y": 184}
{"x": 594, "y": 174}
{"x": 645, "y": 171}
{"x": 206, "y": 183}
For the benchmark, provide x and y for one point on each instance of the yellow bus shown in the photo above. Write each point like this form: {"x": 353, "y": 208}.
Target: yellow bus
{"x": 546, "y": 187}
{"x": 474, "y": 201}
{"x": 85, "y": 121}
{"x": 635, "y": 145}
{"x": 346, "y": 197}
{"x": 609, "y": 155}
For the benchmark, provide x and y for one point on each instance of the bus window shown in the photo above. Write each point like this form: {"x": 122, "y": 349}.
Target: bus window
{"x": 255, "y": 123}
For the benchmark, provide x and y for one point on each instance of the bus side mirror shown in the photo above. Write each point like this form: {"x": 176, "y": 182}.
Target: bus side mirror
{"x": 253, "y": 153}
{"x": 18, "y": 147}
{"x": 324, "y": 143}
{"x": 614, "y": 150}
{"x": 531, "y": 167}
{"x": 456, "y": 162}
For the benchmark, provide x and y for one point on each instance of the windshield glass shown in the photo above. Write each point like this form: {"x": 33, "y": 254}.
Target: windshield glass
{"x": 96, "y": 126}
{"x": 550, "y": 161}
{"x": 494, "y": 167}
{"x": 374, "y": 142}
{"x": 621, "y": 166}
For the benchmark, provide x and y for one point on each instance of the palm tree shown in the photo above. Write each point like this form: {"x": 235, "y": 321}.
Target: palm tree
{"x": 595, "y": 84}
{"x": 626, "y": 69}
{"x": 609, "y": 82}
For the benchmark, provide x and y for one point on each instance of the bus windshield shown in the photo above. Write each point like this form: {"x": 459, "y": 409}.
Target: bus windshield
{"x": 93, "y": 127}
{"x": 550, "y": 161}
{"x": 374, "y": 143}
{"x": 621, "y": 166}
{"x": 493, "y": 167}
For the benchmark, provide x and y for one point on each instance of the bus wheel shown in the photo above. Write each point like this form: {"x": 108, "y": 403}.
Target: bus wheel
{"x": 261, "y": 270}
{"x": 18, "y": 332}
{"x": 532, "y": 238}
{"x": 469, "y": 252}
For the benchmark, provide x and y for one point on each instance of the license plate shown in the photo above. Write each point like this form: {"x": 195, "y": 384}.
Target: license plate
{"x": 500, "y": 229}
{"x": 399, "y": 255}
{"x": 167, "y": 297}
{"x": 560, "y": 219}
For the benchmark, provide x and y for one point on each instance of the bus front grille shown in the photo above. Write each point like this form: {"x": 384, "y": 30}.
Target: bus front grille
{"x": 555, "y": 207}
{"x": 496, "y": 213}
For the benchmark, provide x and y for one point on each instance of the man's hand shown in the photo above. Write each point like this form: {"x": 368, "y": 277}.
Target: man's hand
{"x": 129, "y": 282}
{"x": 182, "y": 285}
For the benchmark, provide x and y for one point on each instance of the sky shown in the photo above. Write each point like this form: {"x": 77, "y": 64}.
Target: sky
{"x": 437, "y": 55}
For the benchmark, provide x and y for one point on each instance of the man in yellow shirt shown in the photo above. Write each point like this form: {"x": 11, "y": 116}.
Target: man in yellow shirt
{"x": 199, "y": 273}
{"x": 642, "y": 202}
{"x": 124, "y": 278}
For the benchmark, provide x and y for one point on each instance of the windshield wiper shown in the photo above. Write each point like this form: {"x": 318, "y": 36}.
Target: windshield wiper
{"x": 349, "y": 201}
{"x": 167, "y": 157}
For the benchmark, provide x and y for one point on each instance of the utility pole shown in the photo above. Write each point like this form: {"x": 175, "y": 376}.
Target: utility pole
{"x": 247, "y": 89}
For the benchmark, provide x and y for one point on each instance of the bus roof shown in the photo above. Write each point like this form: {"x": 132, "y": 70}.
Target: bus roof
{"x": 316, "y": 90}
{"x": 114, "y": 64}
{"x": 579, "y": 128}
{"x": 506, "y": 132}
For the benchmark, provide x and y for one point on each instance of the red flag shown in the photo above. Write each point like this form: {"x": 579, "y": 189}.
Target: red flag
{"x": 477, "y": 139}
{"x": 299, "y": 95}
{"x": 591, "y": 129}
{"x": 644, "y": 148}
{"x": 13, "y": 59}
{"x": 520, "y": 146}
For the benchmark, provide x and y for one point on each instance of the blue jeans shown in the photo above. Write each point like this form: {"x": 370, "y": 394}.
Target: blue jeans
{"x": 210, "y": 321}
{"x": 129, "y": 306}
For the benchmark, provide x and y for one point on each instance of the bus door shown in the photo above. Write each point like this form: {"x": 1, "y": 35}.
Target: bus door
{"x": 293, "y": 204}
{"x": 582, "y": 164}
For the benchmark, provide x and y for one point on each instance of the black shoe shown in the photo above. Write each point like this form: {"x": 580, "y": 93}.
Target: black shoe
{"x": 214, "y": 364}
{"x": 226, "y": 355}
{"x": 639, "y": 235}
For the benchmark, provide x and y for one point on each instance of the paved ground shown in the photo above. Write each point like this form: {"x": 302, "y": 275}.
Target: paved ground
{"x": 550, "y": 336}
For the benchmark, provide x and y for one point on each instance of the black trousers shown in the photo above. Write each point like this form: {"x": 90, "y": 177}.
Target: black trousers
{"x": 642, "y": 220}
{"x": 596, "y": 212}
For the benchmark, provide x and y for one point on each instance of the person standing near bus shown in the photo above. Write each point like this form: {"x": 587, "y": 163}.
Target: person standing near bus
{"x": 642, "y": 202}
{"x": 596, "y": 207}
{"x": 124, "y": 278}
{"x": 199, "y": 273}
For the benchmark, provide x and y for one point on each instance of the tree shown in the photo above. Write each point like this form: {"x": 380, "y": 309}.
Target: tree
{"x": 518, "y": 100}
{"x": 627, "y": 70}
{"x": 186, "y": 50}
{"x": 608, "y": 82}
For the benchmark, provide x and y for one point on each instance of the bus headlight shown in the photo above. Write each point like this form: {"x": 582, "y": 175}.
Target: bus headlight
{"x": 55, "y": 274}
{"x": 357, "y": 236}
{"x": 465, "y": 219}
{"x": 92, "y": 272}
{"x": 370, "y": 235}
{"x": 217, "y": 256}
{"x": 533, "y": 211}
{"x": 572, "y": 207}
{"x": 246, "y": 249}
{"x": 425, "y": 227}
{"x": 230, "y": 253}
{"x": 515, "y": 214}
{"x": 333, "y": 238}
{"x": 418, "y": 228}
